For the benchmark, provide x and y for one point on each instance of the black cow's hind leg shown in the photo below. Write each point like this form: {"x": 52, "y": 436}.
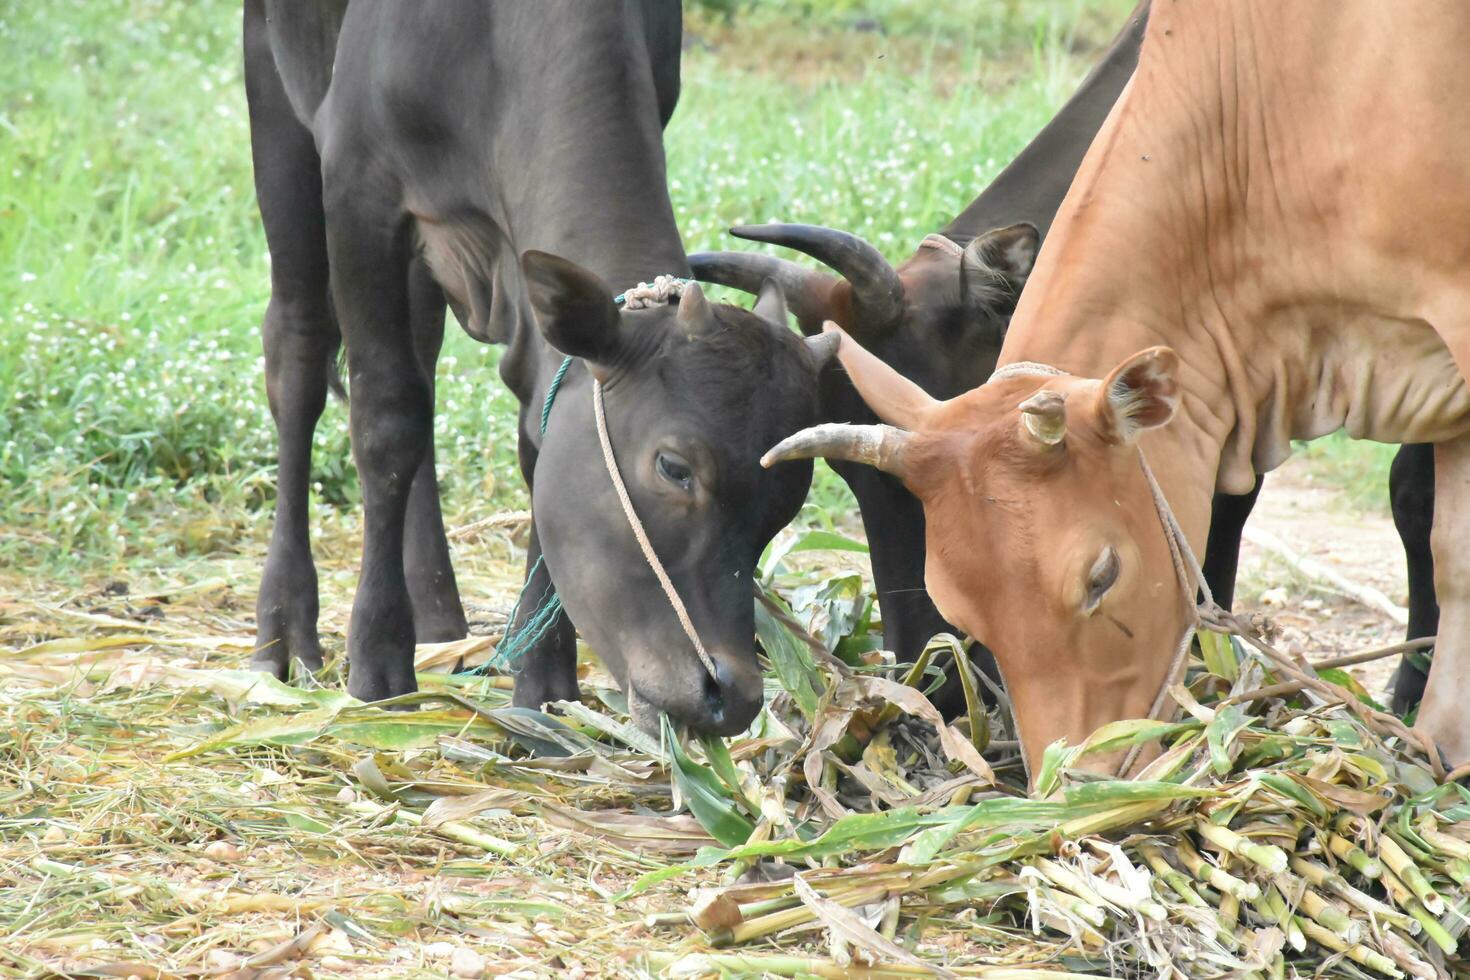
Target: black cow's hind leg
{"x": 391, "y": 414}
{"x": 300, "y": 340}
{"x": 1228, "y": 515}
{"x": 438, "y": 615}
{"x": 1411, "y": 494}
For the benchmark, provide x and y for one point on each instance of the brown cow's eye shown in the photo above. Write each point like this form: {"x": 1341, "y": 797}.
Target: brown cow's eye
{"x": 1101, "y": 578}
{"x": 674, "y": 469}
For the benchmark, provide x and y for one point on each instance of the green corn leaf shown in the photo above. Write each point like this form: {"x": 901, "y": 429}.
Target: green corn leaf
{"x": 268, "y": 730}
{"x": 1340, "y": 677}
{"x": 707, "y": 797}
{"x": 791, "y": 658}
{"x": 1229, "y": 721}
{"x": 1282, "y": 783}
{"x": 1219, "y": 655}
{"x": 810, "y": 541}
{"x": 1056, "y": 758}
{"x": 718, "y": 753}
{"x": 1132, "y": 731}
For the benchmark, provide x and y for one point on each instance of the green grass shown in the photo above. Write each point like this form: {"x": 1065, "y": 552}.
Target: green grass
{"x": 133, "y": 269}
{"x": 1358, "y": 469}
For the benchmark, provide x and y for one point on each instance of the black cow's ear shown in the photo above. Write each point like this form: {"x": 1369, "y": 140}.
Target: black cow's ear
{"x": 574, "y": 307}
{"x": 1000, "y": 257}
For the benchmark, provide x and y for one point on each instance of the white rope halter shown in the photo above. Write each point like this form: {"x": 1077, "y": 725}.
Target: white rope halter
{"x": 642, "y": 296}
{"x": 646, "y": 294}
{"x": 1186, "y": 567}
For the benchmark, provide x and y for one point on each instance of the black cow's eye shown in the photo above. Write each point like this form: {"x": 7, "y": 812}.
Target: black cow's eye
{"x": 675, "y": 470}
{"x": 1102, "y": 576}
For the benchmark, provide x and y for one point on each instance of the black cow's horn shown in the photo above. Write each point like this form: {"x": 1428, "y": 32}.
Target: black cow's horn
{"x": 877, "y": 291}
{"x": 807, "y": 291}
{"x": 876, "y": 445}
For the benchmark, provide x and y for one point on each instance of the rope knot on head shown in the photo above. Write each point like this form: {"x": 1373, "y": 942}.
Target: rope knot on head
{"x": 645, "y": 294}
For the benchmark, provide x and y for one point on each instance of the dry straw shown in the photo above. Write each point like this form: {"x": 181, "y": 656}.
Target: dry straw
{"x": 164, "y": 813}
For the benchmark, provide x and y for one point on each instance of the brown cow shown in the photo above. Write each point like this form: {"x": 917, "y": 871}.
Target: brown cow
{"x": 1280, "y": 197}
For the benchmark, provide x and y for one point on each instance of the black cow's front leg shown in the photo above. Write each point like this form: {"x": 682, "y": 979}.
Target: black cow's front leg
{"x": 300, "y": 340}
{"x": 438, "y": 615}
{"x": 1228, "y": 515}
{"x": 547, "y": 671}
{"x": 296, "y": 358}
{"x": 1411, "y": 495}
{"x": 391, "y": 420}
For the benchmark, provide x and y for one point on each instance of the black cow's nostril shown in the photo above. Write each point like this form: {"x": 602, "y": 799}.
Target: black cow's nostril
{"x": 714, "y": 693}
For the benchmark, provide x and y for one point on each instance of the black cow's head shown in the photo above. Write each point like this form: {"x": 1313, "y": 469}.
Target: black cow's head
{"x": 694, "y": 392}
{"x": 939, "y": 319}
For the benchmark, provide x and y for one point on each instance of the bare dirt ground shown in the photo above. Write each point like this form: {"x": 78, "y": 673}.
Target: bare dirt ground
{"x": 1315, "y": 619}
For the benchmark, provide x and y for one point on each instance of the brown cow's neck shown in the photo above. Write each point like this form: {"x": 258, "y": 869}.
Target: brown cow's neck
{"x": 1235, "y": 208}
{"x": 1151, "y": 247}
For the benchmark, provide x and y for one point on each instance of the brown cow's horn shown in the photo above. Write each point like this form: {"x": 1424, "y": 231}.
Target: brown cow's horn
{"x": 877, "y": 291}
{"x": 1045, "y": 416}
{"x": 807, "y": 291}
{"x": 877, "y": 445}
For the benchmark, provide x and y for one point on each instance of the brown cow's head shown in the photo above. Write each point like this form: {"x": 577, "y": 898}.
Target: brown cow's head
{"x": 1043, "y": 538}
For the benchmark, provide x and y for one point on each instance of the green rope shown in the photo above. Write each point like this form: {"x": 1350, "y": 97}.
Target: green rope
{"x": 516, "y": 642}
{"x": 556, "y": 380}
{"x": 513, "y": 646}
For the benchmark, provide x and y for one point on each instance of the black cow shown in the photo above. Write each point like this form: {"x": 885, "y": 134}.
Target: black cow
{"x": 507, "y": 158}
{"x": 940, "y": 318}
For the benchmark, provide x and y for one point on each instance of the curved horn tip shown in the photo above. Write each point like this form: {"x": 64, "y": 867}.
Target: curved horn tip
{"x": 881, "y": 446}
{"x": 824, "y": 346}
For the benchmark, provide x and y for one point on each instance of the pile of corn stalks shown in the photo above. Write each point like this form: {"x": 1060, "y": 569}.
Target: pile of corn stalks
{"x": 150, "y": 788}
{"x": 1288, "y": 829}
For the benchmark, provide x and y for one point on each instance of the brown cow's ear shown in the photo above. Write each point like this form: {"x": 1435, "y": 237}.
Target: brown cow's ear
{"x": 574, "y": 307}
{"x": 1141, "y": 393}
{"x": 892, "y": 397}
{"x": 1000, "y": 256}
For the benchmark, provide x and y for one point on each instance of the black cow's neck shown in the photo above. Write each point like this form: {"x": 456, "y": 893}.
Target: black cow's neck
{"x": 585, "y": 178}
{"x": 1031, "y": 188}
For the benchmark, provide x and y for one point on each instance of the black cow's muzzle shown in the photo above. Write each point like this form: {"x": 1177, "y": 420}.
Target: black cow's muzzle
{"x": 723, "y": 702}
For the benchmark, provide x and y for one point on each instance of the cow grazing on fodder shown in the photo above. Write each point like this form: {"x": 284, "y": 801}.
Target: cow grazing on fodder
{"x": 506, "y": 158}
{"x": 1249, "y": 204}
{"x": 940, "y": 318}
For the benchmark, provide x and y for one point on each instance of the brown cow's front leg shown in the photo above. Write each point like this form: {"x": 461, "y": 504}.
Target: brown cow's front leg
{"x": 1443, "y": 715}
{"x": 438, "y": 615}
